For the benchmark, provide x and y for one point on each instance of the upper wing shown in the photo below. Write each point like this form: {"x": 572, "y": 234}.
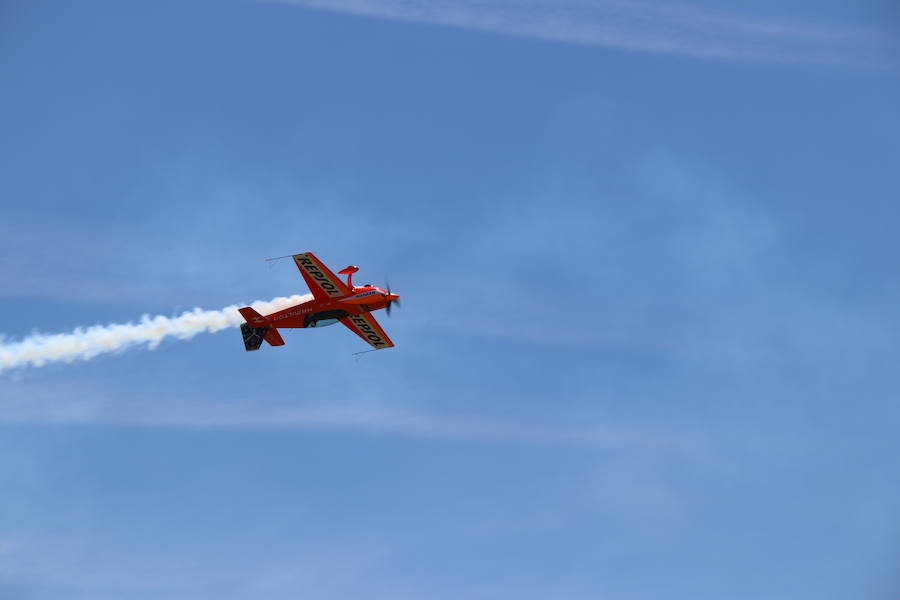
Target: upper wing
{"x": 366, "y": 327}
{"x": 321, "y": 281}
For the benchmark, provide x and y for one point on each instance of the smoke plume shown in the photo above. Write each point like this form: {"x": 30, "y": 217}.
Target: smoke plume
{"x": 86, "y": 343}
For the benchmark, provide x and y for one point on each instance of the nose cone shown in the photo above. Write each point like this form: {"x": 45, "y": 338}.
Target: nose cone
{"x": 392, "y": 297}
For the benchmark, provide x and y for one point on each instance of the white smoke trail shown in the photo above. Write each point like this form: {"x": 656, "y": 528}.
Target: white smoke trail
{"x": 84, "y": 344}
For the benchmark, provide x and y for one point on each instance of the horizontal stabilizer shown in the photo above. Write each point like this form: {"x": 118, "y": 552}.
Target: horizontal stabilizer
{"x": 274, "y": 338}
{"x": 253, "y": 317}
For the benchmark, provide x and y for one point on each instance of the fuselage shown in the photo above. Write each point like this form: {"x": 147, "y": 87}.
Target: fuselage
{"x": 327, "y": 311}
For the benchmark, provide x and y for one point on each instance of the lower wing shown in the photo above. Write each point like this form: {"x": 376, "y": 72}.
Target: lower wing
{"x": 365, "y": 326}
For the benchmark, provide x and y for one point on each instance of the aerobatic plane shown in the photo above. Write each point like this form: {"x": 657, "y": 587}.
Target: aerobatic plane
{"x": 333, "y": 301}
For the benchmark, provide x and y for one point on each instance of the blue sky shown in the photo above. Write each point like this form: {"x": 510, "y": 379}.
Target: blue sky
{"x": 648, "y": 340}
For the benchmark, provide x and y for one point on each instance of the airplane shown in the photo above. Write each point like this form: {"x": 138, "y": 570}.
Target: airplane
{"x": 333, "y": 301}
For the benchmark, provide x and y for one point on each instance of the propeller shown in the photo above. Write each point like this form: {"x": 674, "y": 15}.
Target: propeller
{"x": 387, "y": 308}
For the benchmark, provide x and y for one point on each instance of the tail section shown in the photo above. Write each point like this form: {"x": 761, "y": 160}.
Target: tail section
{"x": 256, "y": 329}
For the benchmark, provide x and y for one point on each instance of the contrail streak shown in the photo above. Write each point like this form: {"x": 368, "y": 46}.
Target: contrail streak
{"x": 86, "y": 343}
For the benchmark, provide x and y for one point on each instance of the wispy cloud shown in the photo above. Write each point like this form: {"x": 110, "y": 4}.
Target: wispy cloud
{"x": 109, "y": 404}
{"x": 659, "y": 28}
{"x": 48, "y": 406}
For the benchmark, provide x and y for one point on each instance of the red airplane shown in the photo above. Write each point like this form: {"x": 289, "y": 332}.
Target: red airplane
{"x": 332, "y": 301}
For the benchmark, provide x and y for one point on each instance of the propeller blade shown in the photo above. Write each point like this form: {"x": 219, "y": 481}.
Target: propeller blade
{"x": 387, "y": 308}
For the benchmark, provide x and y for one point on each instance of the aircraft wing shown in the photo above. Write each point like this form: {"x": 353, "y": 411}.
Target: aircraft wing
{"x": 366, "y": 327}
{"x": 321, "y": 281}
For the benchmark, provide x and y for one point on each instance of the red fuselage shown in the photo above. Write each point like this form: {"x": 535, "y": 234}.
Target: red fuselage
{"x": 326, "y": 311}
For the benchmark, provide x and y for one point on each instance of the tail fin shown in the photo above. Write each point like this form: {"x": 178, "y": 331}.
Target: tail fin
{"x": 256, "y": 329}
